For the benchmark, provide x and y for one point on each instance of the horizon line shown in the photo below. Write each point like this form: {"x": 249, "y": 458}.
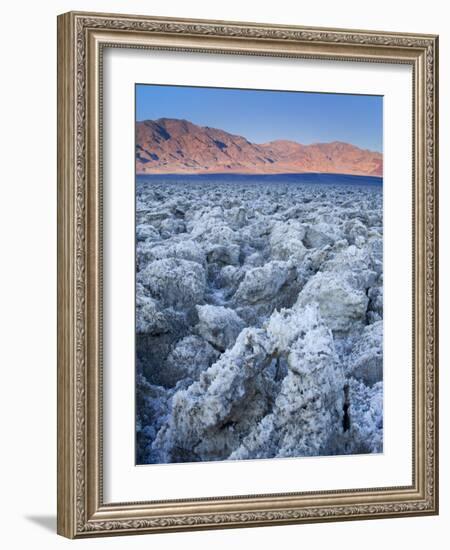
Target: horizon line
{"x": 259, "y": 174}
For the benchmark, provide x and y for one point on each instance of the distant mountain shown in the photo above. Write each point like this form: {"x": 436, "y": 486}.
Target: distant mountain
{"x": 178, "y": 146}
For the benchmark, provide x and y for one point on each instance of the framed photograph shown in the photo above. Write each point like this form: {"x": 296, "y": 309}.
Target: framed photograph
{"x": 247, "y": 274}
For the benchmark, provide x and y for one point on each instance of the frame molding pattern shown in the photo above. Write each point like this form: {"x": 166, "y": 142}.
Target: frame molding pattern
{"x": 74, "y": 517}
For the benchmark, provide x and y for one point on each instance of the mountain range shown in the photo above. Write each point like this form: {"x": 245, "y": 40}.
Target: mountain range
{"x": 177, "y": 146}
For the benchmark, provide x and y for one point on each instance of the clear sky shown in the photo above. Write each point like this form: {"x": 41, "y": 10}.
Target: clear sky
{"x": 262, "y": 116}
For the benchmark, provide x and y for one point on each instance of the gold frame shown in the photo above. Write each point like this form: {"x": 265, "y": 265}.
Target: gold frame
{"x": 81, "y": 38}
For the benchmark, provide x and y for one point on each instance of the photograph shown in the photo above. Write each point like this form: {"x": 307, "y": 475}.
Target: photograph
{"x": 247, "y": 279}
{"x": 224, "y": 233}
{"x": 259, "y": 274}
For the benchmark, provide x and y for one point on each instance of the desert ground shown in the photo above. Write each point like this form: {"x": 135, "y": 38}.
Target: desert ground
{"x": 259, "y": 319}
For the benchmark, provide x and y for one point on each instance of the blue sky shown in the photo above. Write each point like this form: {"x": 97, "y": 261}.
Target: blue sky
{"x": 262, "y": 116}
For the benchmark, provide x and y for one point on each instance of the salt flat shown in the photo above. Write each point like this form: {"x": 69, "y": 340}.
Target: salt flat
{"x": 259, "y": 307}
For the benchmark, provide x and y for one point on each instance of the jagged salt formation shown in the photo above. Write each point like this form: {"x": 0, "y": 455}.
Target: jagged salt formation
{"x": 259, "y": 320}
{"x": 307, "y": 411}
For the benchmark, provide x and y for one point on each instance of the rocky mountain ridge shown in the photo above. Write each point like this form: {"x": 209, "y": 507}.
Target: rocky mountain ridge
{"x": 180, "y": 147}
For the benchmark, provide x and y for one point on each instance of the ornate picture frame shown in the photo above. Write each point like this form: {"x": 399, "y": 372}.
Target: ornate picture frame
{"x": 82, "y": 39}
